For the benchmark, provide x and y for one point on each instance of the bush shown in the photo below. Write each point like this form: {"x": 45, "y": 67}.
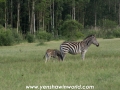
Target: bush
{"x": 90, "y": 32}
{"x": 107, "y": 24}
{"x": 6, "y": 38}
{"x": 17, "y": 37}
{"x": 30, "y": 38}
{"x": 44, "y": 36}
{"x": 70, "y": 28}
{"x": 9, "y": 37}
{"x": 108, "y": 35}
{"x": 116, "y": 33}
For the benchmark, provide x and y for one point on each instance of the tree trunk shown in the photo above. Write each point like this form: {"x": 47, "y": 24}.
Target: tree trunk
{"x": 95, "y": 19}
{"x": 73, "y": 9}
{"x": 32, "y": 24}
{"x": 109, "y": 5}
{"x": 95, "y": 5}
{"x": 43, "y": 21}
{"x": 83, "y": 19}
{"x": 5, "y": 15}
{"x": 53, "y": 19}
{"x": 51, "y": 16}
{"x": 115, "y": 6}
{"x": 18, "y": 16}
{"x": 34, "y": 16}
{"x": 40, "y": 19}
{"x": 11, "y": 14}
{"x": 29, "y": 9}
{"x": 119, "y": 13}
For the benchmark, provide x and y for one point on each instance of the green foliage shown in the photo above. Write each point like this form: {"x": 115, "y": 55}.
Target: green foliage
{"x": 89, "y": 32}
{"x": 107, "y": 24}
{"x": 1, "y": 27}
{"x": 108, "y": 34}
{"x": 68, "y": 17}
{"x": 9, "y": 37}
{"x": 107, "y": 29}
{"x": 71, "y": 28}
{"x": 30, "y": 38}
{"x": 6, "y": 38}
{"x": 41, "y": 35}
{"x": 17, "y": 37}
{"x": 116, "y": 32}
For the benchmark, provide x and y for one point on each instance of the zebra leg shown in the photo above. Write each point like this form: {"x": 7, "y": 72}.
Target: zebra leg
{"x": 63, "y": 56}
{"x": 83, "y": 54}
{"x": 47, "y": 57}
{"x": 60, "y": 58}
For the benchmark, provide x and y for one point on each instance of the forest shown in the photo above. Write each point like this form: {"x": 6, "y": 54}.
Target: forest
{"x": 46, "y": 19}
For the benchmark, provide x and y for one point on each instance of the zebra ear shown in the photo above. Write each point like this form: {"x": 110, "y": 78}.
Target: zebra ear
{"x": 94, "y": 35}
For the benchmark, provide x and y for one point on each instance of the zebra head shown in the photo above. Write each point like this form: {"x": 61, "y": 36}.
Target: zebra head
{"x": 91, "y": 40}
{"x": 94, "y": 40}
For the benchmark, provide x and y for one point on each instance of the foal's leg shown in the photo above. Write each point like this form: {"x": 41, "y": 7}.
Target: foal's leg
{"x": 47, "y": 57}
{"x": 58, "y": 57}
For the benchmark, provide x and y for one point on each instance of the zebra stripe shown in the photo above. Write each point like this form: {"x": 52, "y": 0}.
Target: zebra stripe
{"x": 71, "y": 47}
{"x": 78, "y": 47}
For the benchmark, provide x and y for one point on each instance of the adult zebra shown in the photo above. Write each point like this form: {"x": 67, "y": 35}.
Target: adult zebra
{"x": 78, "y": 47}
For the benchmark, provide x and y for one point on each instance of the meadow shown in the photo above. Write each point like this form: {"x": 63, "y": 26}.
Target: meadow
{"x": 23, "y": 65}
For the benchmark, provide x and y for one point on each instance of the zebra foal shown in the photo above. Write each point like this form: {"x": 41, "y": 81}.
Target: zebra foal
{"x": 52, "y": 53}
{"x": 78, "y": 47}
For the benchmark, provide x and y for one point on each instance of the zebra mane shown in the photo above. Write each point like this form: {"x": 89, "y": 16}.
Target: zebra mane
{"x": 88, "y": 37}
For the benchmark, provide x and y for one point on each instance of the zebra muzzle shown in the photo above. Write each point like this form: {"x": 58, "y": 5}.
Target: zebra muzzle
{"x": 97, "y": 45}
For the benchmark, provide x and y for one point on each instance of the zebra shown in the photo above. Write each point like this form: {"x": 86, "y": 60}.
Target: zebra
{"x": 52, "y": 53}
{"x": 78, "y": 47}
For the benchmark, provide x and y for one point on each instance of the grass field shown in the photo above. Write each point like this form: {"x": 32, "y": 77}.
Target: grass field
{"x": 23, "y": 65}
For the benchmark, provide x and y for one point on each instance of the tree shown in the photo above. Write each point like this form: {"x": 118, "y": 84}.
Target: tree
{"x": 71, "y": 28}
{"x": 119, "y": 13}
{"x": 18, "y": 16}
{"x": 3, "y": 10}
{"x": 11, "y": 13}
{"x": 73, "y": 9}
{"x": 32, "y": 22}
{"x": 5, "y": 15}
{"x": 43, "y": 8}
{"x": 49, "y": 15}
{"x": 57, "y": 16}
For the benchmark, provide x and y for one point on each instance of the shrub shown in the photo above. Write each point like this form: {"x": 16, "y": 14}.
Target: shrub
{"x": 89, "y": 32}
{"x": 107, "y": 24}
{"x": 6, "y": 38}
{"x": 76, "y": 36}
{"x": 108, "y": 35}
{"x": 116, "y": 33}
{"x": 70, "y": 28}
{"x": 17, "y": 37}
{"x": 30, "y": 38}
{"x": 41, "y": 35}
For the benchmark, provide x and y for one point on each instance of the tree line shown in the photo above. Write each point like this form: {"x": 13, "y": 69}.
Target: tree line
{"x": 51, "y": 16}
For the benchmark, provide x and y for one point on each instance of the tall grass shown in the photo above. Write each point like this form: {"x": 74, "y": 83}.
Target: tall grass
{"x": 23, "y": 65}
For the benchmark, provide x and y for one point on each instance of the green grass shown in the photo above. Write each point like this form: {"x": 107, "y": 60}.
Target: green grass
{"x": 23, "y": 65}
